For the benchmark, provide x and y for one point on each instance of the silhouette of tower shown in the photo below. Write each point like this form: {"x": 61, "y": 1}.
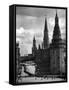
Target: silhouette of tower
{"x": 39, "y": 47}
{"x": 57, "y": 50}
{"x": 34, "y": 48}
{"x": 56, "y": 32}
{"x": 45, "y": 39}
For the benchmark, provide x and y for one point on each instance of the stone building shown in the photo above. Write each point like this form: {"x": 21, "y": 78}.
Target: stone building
{"x": 50, "y": 58}
{"x": 57, "y": 51}
{"x": 42, "y": 54}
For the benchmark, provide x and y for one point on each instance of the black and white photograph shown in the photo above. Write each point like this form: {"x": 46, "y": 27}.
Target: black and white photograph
{"x": 41, "y": 45}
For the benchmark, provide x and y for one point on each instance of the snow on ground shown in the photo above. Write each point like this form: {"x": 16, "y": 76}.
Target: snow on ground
{"x": 38, "y": 79}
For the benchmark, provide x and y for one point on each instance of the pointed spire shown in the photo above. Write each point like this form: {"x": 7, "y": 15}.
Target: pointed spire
{"x": 34, "y": 48}
{"x": 34, "y": 39}
{"x": 45, "y": 29}
{"x": 39, "y": 46}
{"x": 45, "y": 39}
{"x": 56, "y": 13}
{"x": 56, "y": 32}
{"x": 56, "y": 18}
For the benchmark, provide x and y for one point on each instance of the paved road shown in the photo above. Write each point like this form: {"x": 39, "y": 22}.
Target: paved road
{"x": 38, "y": 79}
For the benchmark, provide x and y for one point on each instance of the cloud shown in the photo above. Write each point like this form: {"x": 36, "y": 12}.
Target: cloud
{"x": 39, "y": 34}
{"x": 25, "y": 38}
{"x": 23, "y": 50}
{"x": 29, "y": 22}
{"x": 23, "y": 33}
{"x": 18, "y": 39}
{"x": 19, "y": 31}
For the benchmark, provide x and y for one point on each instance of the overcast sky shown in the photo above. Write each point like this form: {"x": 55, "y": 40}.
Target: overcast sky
{"x": 30, "y": 22}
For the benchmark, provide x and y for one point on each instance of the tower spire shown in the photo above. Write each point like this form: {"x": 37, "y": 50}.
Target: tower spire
{"x": 34, "y": 42}
{"x": 45, "y": 39}
{"x": 34, "y": 48}
{"x": 56, "y": 18}
{"x": 56, "y": 32}
{"x": 39, "y": 47}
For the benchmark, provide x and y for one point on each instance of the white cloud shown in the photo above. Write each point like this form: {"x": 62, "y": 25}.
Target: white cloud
{"x": 18, "y": 40}
{"x": 51, "y": 21}
{"x": 62, "y": 22}
{"x": 25, "y": 38}
{"x": 20, "y": 30}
